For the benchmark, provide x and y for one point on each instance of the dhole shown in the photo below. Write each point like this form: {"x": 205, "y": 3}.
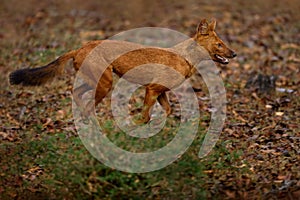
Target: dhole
{"x": 205, "y": 38}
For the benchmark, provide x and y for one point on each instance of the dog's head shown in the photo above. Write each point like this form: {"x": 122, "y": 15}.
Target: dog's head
{"x": 207, "y": 37}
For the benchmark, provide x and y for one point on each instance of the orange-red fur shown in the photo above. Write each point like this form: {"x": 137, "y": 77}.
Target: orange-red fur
{"x": 204, "y": 37}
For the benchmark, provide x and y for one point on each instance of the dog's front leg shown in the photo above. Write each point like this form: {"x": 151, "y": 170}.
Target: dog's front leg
{"x": 149, "y": 101}
{"x": 164, "y": 102}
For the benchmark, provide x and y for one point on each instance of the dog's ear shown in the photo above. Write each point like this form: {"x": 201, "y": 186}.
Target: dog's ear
{"x": 203, "y": 27}
{"x": 212, "y": 24}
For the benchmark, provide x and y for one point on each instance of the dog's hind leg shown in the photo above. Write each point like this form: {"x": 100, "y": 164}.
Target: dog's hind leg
{"x": 78, "y": 92}
{"x": 164, "y": 102}
{"x": 104, "y": 86}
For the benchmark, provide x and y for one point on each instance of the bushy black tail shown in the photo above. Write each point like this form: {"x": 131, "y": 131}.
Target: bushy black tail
{"x": 33, "y": 76}
{"x": 40, "y": 75}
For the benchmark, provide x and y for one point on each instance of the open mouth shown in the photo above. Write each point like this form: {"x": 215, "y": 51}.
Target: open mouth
{"x": 221, "y": 59}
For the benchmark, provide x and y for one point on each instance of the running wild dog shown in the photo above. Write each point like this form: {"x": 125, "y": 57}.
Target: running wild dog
{"x": 137, "y": 55}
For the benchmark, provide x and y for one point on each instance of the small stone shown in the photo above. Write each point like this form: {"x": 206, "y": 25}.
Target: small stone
{"x": 259, "y": 157}
{"x": 286, "y": 153}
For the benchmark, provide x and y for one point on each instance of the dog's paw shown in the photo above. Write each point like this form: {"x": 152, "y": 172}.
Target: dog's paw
{"x": 140, "y": 120}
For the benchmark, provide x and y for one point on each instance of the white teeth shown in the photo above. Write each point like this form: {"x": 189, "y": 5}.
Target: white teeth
{"x": 219, "y": 57}
{"x": 224, "y": 60}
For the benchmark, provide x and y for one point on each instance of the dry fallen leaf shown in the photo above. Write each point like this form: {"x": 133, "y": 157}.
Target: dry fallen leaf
{"x": 279, "y": 113}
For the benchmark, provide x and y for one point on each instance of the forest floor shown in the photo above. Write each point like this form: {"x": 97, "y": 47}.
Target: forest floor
{"x": 257, "y": 155}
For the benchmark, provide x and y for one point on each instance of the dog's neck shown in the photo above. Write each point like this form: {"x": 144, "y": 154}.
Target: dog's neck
{"x": 191, "y": 51}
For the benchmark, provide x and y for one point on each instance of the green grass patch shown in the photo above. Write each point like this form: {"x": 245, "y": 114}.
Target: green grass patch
{"x": 58, "y": 166}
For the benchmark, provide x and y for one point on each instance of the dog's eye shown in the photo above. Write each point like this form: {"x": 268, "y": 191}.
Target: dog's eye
{"x": 219, "y": 45}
